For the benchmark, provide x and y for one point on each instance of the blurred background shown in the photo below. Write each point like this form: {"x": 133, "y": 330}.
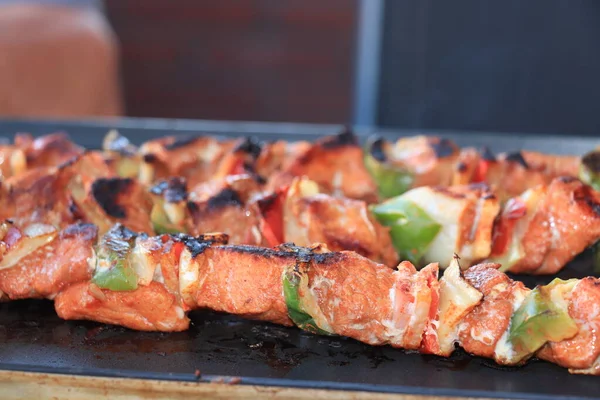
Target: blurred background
{"x": 513, "y": 66}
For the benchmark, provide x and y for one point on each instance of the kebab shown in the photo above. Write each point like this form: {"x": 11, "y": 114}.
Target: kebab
{"x": 149, "y": 283}
{"x": 537, "y": 232}
{"x": 419, "y": 161}
{"x": 98, "y": 196}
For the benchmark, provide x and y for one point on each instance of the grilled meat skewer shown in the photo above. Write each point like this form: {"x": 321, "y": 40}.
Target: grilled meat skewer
{"x": 149, "y": 283}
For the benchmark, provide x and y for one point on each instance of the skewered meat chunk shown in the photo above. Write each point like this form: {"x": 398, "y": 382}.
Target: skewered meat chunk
{"x": 342, "y": 224}
{"x": 335, "y": 164}
{"x": 40, "y": 262}
{"x": 546, "y": 227}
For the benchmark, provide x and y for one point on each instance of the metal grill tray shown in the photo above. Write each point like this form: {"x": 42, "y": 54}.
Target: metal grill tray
{"x": 33, "y": 338}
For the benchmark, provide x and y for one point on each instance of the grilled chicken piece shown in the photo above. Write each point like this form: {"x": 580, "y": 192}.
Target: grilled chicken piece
{"x": 546, "y": 227}
{"x": 482, "y": 329}
{"x": 77, "y": 190}
{"x": 227, "y": 212}
{"x": 198, "y": 159}
{"x": 247, "y": 186}
{"x": 148, "y": 308}
{"x": 39, "y": 262}
{"x": 511, "y": 174}
{"x": 581, "y": 353}
{"x": 278, "y": 156}
{"x": 152, "y": 300}
{"x": 47, "y": 151}
{"x": 241, "y": 280}
{"x": 111, "y": 200}
{"x": 311, "y": 217}
{"x": 41, "y": 194}
{"x": 335, "y": 163}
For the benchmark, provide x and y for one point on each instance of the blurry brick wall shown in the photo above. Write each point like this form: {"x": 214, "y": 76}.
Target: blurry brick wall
{"x": 273, "y": 60}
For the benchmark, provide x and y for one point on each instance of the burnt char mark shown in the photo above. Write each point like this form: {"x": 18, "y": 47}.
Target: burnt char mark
{"x": 193, "y": 207}
{"x": 344, "y": 138}
{"x": 87, "y": 231}
{"x": 172, "y": 190}
{"x": 592, "y": 161}
{"x": 487, "y": 155}
{"x": 443, "y": 148}
{"x": 518, "y": 158}
{"x": 250, "y": 170}
{"x": 586, "y": 195}
{"x": 106, "y": 192}
{"x": 250, "y": 145}
{"x": 265, "y": 203}
{"x": 376, "y": 149}
{"x": 225, "y": 197}
{"x": 121, "y": 232}
{"x": 181, "y": 141}
{"x": 197, "y": 245}
{"x": 301, "y": 255}
{"x": 150, "y": 158}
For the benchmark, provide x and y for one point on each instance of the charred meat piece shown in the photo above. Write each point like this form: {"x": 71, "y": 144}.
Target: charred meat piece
{"x": 153, "y": 300}
{"x": 44, "y": 194}
{"x": 546, "y": 227}
{"x": 47, "y": 151}
{"x": 278, "y": 155}
{"x": 510, "y": 174}
{"x": 226, "y": 211}
{"x": 197, "y": 159}
{"x": 191, "y": 157}
{"x": 247, "y": 186}
{"x": 311, "y": 217}
{"x": 335, "y": 163}
{"x": 39, "y": 262}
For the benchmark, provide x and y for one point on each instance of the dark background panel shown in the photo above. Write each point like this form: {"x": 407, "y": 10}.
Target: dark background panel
{"x": 266, "y": 60}
{"x": 516, "y": 66}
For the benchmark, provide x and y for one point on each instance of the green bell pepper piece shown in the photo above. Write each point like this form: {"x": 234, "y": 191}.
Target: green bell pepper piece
{"x": 119, "y": 277}
{"x": 412, "y": 230}
{"x": 293, "y": 301}
{"x": 391, "y": 180}
{"x": 543, "y": 316}
{"x": 113, "y": 268}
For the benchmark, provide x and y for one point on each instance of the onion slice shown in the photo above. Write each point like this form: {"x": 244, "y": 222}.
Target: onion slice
{"x": 27, "y": 245}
